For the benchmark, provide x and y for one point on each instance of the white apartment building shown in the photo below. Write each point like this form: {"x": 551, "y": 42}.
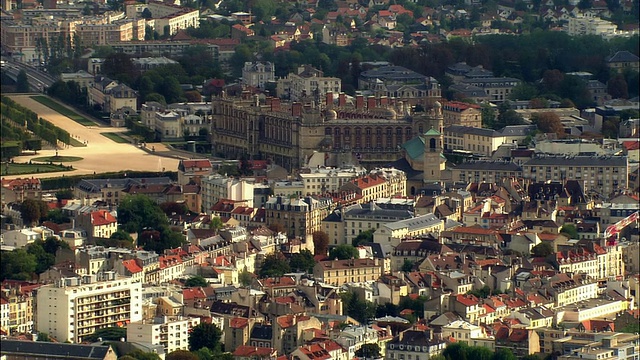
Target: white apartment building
{"x": 175, "y": 17}
{"x": 328, "y": 179}
{"x": 74, "y": 308}
{"x": 170, "y": 332}
{"x": 462, "y": 331}
{"x": 21, "y": 238}
{"x": 393, "y": 233}
{"x": 590, "y": 26}
{"x": 216, "y": 187}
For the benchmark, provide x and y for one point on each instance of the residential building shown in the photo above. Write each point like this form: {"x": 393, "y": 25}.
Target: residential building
{"x": 497, "y": 88}
{"x": 417, "y": 344}
{"x": 604, "y": 175}
{"x": 463, "y": 114}
{"x": 18, "y": 303}
{"x": 461, "y": 330}
{"x": 393, "y": 233}
{"x": 258, "y": 73}
{"x": 581, "y": 25}
{"x": 98, "y": 224}
{"x": 339, "y": 272}
{"x": 217, "y": 187}
{"x": 622, "y": 60}
{"x": 307, "y": 81}
{"x": 299, "y": 217}
{"x": 17, "y": 190}
{"x": 193, "y": 170}
{"x": 321, "y": 180}
{"x": 384, "y": 183}
{"x": 288, "y": 330}
{"x": 483, "y": 141}
{"x": 485, "y": 171}
{"x": 23, "y": 237}
{"x": 344, "y": 225}
{"x": 27, "y": 350}
{"x": 81, "y": 305}
{"x": 170, "y": 332}
{"x": 402, "y": 83}
{"x": 168, "y": 18}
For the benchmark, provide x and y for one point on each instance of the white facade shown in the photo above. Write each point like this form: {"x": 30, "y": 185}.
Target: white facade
{"x": 462, "y": 331}
{"x": 170, "y": 332}
{"x": 327, "y": 179}
{"x": 590, "y": 26}
{"x": 74, "y": 308}
{"x": 216, "y": 187}
{"x": 258, "y": 73}
{"x": 20, "y": 238}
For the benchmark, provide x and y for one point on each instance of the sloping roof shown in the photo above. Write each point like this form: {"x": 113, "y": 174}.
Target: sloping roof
{"x": 414, "y": 147}
{"x": 61, "y": 350}
{"x": 131, "y": 266}
{"x": 432, "y": 132}
{"x": 102, "y": 217}
{"x": 623, "y": 56}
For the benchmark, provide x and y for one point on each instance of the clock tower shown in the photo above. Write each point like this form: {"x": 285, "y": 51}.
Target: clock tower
{"x": 434, "y": 160}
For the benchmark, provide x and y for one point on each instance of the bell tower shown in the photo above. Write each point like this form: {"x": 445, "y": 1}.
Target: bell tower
{"x": 434, "y": 160}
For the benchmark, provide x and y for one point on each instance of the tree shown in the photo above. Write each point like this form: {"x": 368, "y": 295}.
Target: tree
{"x": 33, "y": 210}
{"x": 320, "y": 242}
{"x": 363, "y": 236}
{"x": 549, "y": 122}
{"x": 17, "y": 265}
{"x": 121, "y": 235}
{"x": 302, "y": 261}
{"x": 216, "y": 223}
{"x": 543, "y": 249}
{"x": 456, "y": 351}
{"x": 22, "y": 82}
{"x": 488, "y": 116}
{"x": 479, "y": 353}
{"x": 504, "y": 354}
{"x": 245, "y": 278}
{"x": 344, "y": 252}
{"x": 110, "y": 333}
{"x": 274, "y": 265}
{"x": 570, "y": 230}
{"x": 181, "y": 355}
{"x": 43, "y": 337}
{"x": 531, "y": 357}
{"x": 361, "y": 310}
{"x": 65, "y": 194}
{"x": 173, "y": 208}
{"x": 204, "y": 335}
{"x": 617, "y": 87}
{"x": 196, "y": 281}
{"x": 141, "y": 355}
{"x": 407, "y": 266}
{"x": 368, "y": 351}
{"x": 57, "y": 216}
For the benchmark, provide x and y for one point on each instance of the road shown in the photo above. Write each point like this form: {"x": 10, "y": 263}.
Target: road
{"x": 38, "y": 80}
{"x": 101, "y": 154}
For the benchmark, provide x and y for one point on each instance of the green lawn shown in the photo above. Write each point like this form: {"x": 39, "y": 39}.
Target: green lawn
{"x": 57, "y": 159}
{"x": 21, "y": 169}
{"x": 76, "y": 143}
{"x": 115, "y": 137}
{"x": 63, "y": 110}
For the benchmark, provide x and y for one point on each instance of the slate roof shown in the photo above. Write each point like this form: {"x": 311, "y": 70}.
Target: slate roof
{"x": 261, "y": 331}
{"x": 489, "y": 165}
{"x": 50, "y": 350}
{"x": 578, "y": 161}
{"x": 623, "y": 56}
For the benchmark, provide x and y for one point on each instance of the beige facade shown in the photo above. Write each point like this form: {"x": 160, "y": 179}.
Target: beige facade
{"x": 601, "y": 174}
{"x": 299, "y": 217}
{"x": 463, "y": 114}
{"x": 339, "y": 272}
{"x": 103, "y": 34}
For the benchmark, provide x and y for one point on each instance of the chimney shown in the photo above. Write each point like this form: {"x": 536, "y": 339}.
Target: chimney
{"x": 359, "y": 102}
{"x": 384, "y": 101}
{"x": 296, "y": 109}
{"x": 329, "y": 99}
{"x": 275, "y": 104}
{"x": 371, "y": 102}
{"x": 342, "y": 100}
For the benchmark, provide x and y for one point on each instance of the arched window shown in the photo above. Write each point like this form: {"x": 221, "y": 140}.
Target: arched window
{"x": 432, "y": 144}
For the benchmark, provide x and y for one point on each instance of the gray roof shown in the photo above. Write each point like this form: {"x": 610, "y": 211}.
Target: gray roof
{"x": 418, "y": 222}
{"x": 487, "y": 81}
{"x": 393, "y": 73}
{"x": 488, "y": 165}
{"x": 578, "y": 161}
{"x": 53, "y": 350}
{"x": 517, "y": 130}
{"x": 374, "y": 211}
{"x": 623, "y": 56}
{"x": 472, "y": 130}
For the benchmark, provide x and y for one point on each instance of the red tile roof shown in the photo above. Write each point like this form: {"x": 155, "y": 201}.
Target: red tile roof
{"x": 238, "y": 323}
{"x": 459, "y": 106}
{"x": 254, "y": 352}
{"x": 467, "y": 300}
{"x": 193, "y": 293}
{"x": 102, "y": 217}
{"x": 131, "y": 266}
